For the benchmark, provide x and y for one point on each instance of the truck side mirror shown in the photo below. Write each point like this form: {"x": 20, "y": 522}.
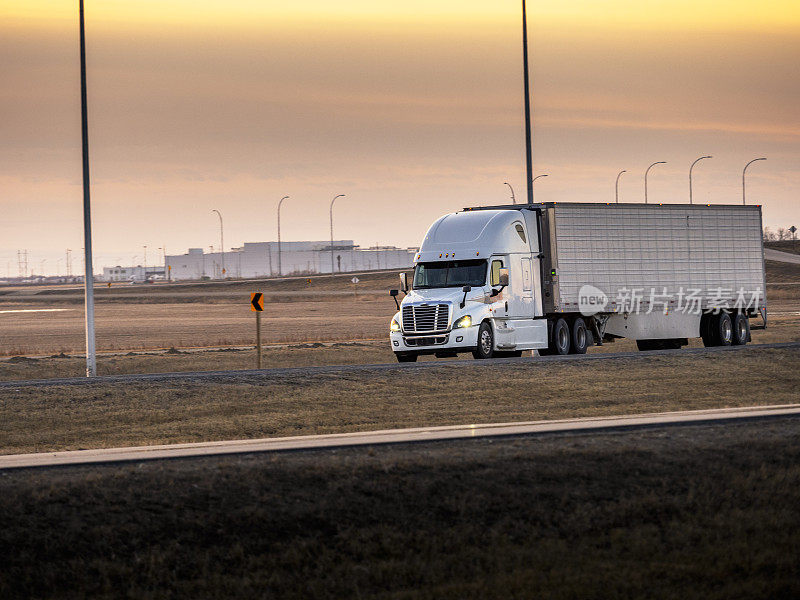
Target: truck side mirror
{"x": 404, "y": 282}
{"x": 503, "y": 276}
{"x": 394, "y": 294}
{"x": 466, "y": 289}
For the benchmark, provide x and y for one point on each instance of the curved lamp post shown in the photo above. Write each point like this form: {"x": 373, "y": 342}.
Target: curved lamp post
{"x": 616, "y": 187}
{"x": 513, "y": 199}
{"x": 690, "y": 175}
{"x": 280, "y": 270}
{"x": 661, "y": 162}
{"x": 221, "y": 244}
{"x": 332, "y": 201}
{"x": 744, "y": 171}
{"x": 534, "y": 179}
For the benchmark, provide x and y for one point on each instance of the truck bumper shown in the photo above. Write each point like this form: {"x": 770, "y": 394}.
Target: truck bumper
{"x": 457, "y": 340}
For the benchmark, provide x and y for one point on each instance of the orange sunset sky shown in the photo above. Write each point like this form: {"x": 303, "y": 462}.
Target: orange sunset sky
{"x": 412, "y": 109}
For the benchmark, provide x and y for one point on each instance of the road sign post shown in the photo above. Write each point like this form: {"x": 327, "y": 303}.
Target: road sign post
{"x": 355, "y": 280}
{"x": 257, "y": 305}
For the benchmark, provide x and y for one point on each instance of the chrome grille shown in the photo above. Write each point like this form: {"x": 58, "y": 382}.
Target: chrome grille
{"x": 425, "y": 318}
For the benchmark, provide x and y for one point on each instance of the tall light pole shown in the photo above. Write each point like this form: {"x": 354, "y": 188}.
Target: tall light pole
{"x": 88, "y": 281}
{"x": 661, "y": 162}
{"x": 332, "y": 201}
{"x": 144, "y": 269}
{"x": 280, "y": 270}
{"x": 616, "y": 187}
{"x": 513, "y": 198}
{"x": 534, "y": 179}
{"x": 744, "y": 171}
{"x": 690, "y": 175}
{"x": 528, "y": 133}
{"x": 221, "y": 242}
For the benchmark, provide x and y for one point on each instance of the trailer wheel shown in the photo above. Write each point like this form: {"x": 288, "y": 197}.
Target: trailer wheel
{"x": 741, "y": 330}
{"x": 580, "y": 337}
{"x": 485, "y": 348}
{"x": 723, "y": 329}
{"x": 406, "y": 357}
{"x": 561, "y": 337}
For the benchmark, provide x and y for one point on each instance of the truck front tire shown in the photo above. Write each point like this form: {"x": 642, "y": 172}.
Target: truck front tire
{"x": 485, "y": 348}
{"x": 406, "y": 356}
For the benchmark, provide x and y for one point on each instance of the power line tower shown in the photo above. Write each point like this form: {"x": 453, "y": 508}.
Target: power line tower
{"x": 22, "y": 263}
{"x": 69, "y": 262}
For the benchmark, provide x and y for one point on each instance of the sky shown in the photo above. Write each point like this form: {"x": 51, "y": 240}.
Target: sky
{"x": 410, "y": 109}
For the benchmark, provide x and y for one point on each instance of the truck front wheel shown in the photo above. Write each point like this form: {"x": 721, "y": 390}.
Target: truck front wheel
{"x": 485, "y": 348}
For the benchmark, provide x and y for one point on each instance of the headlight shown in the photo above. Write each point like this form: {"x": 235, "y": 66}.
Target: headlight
{"x": 395, "y": 326}
{"x": 465, "y": 321}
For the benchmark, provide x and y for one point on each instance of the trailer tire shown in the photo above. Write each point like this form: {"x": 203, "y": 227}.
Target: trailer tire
{"x": 406, "y": 357}
{"x": 579, "y": 337}
{"x": 741, "y": 330}
{"x": 723, "y": 329}
{"x": 561, "y": 337}
{"x": 485, "y": 347}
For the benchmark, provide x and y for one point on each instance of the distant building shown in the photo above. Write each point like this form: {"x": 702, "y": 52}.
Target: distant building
{"x": 136, "y": 273}
{"x": 260, "y": 259}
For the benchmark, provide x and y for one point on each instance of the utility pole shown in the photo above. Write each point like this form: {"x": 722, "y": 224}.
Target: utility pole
{"x": 332, "y": 201}
{"x": 88, "y": 282}
{"x": 528, "y": 133}
{"x": 280, "y": 267}
{"x": 616, "y": 187}
{"x": 221, "y": 242}
{"x": 744, "y": 171}
{"x": 690, "y": 175}
{"x": 661, "y": 162}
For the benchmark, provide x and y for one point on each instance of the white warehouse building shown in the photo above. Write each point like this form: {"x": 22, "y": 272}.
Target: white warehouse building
{"x": 260, "y": 259}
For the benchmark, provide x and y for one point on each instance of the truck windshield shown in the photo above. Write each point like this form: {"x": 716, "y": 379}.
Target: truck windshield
{"x": 454, "y": 273}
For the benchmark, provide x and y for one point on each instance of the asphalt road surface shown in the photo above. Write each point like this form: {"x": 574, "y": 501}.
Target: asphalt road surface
{"x": 779, "y": 256}
{"x": 398, "y": 436}
{"x": 223, "y": 376}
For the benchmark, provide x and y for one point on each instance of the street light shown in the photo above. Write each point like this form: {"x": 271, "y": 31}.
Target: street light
{"x": 280, "y": 270}
{"x": 690, "y": 175}
{"x": 332, "y": 201}
{"x": 661, "y": 162}
{"x": 88, "y": 277}
{"x": 144, "y": 272}
{"x": 221, "y": 243}
{"x": 743, "y": 172}
{"x": 513, "y": 199}
{"x": 532, "y": 180}
{"x": 616, "y": 187}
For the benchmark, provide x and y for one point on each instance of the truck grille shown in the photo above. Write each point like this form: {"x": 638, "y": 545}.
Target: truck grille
{"x": 425, "y": 318}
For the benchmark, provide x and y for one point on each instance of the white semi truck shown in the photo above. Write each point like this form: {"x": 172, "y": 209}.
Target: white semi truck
{"x": 559, "y": 277}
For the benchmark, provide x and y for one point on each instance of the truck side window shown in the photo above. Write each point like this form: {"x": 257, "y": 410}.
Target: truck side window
{"x": 520, "y": 231}
{"x": 496, "y": 266}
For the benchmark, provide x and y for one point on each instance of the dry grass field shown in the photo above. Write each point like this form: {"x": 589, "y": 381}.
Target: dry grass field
{"x": 256, "y": 405}
{"x": 698, "y": 512}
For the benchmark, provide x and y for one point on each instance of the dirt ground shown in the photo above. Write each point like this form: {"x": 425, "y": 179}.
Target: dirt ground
{"x": 694, "y": 512}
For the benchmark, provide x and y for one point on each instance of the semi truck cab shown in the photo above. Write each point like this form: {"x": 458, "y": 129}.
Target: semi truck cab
{"x": 475, "y": 288}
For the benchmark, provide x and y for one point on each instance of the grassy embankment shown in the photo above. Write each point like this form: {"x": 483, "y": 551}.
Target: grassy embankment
{"x": 61, "y": 417}
{"x": 699, "y": 512}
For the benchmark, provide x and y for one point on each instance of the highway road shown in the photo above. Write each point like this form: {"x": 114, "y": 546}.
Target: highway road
{"x": 399, "y": 436}
{"x": 241, "y": 375}
{"x": 779, "y": 256}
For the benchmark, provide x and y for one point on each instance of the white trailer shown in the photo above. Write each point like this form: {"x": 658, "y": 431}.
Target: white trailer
{"x": 558, "y": 277}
